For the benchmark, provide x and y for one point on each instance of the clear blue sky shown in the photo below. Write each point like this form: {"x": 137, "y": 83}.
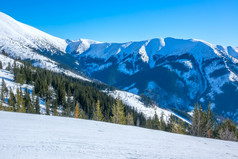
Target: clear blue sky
{"x": 215, "y": 21}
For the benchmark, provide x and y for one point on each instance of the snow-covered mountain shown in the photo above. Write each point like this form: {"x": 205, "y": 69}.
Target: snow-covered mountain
{"x": 22, "y": 41}
{"x": 176, "y": 73}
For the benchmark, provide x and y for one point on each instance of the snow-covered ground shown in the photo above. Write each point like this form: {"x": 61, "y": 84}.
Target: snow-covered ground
{"x": 28, "y": 136}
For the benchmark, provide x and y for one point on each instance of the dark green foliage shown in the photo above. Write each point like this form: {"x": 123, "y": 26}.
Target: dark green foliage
{"x": 228, "y": 131}
{"x": 12, "y": 101}
{"x": 0, "y": 64}
{"x": 37, "y": 105}
{"x": 204, "y": 124}
{"x": 47, "y": 105}
{"x": 9, "y": 67}
{"x": 64, "y": 92}
{"x": 28, "y": 103}
{"x": 147, "y": 101}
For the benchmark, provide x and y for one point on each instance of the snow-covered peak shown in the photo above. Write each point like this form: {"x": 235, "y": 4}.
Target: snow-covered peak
{"x": 16, "y": 36}
{"x": 80, "y": 46}
{"x": 26, "y": 42}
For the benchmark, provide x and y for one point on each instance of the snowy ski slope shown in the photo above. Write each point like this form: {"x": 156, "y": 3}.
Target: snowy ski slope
{"x": 29, "y": 136}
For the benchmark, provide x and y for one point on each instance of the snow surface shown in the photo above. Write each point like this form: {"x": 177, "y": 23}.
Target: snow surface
{"x": 26, "y": 37}
{"x": 31, "y": 136}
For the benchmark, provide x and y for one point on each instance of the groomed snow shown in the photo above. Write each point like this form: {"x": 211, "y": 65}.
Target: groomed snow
{"x": 30, "y": 136}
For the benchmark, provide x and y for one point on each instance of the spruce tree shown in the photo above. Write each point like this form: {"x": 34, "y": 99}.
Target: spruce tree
{"x": 2, "y": 96}
{"x": 162, "y": 122}
{"x": 28, "y": 103}
{"x": 195, "y": 120}
{"x": 114, "y": 117}
{"x": 47, "y": 105}
{"x": 129, "y": 119}
{"x": 204, "y": 124}
{"x": 149, "y": 123}
{"x": 12, "y": 101}
{"x": 171, "y": 123}
{"x": 0, "y": 64}
{"x": 118, "y": 113}
{"x": 199, "y": 124}
{"x": 8, "y": 68}
{"x": 18, "y": 101}
{"x": 156, "y": 122}
{"x": 82, "y": 114}
{"x": 37, "y": 105}
{"x": 210, "y": 121}
{"x": 228, "y": 131}
{"x": 76, "y": 110}
{"x": 4, "y": 89}
{"x": 97, "y": 115}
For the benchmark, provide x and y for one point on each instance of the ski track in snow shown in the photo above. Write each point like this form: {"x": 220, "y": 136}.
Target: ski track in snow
{"x": 38, "y": 136}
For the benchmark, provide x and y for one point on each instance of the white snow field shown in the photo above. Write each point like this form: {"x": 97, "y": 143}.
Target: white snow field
{"x": 27, "y": 136}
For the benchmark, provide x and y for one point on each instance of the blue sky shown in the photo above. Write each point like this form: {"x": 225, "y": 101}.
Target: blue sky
{"x": 215, "y": 21}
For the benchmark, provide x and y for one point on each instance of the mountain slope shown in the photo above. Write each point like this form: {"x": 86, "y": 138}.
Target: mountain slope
{"x": 16, "y": 36}
{"x": 58, "y": 137}
{"x": 19, "y": 40}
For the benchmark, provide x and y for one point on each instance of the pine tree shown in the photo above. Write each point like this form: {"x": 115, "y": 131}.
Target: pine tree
{"x": 28, "y": 103}
{"x": 195, "y": 120}
{"x": 156, "y": 122}
{"x": 210, "y": 121}
{"x": 67, "y": 107}
{"x": 18, "y": 101}
{"x": 37, "y": 105}
{"x": 2, "y": 97}
{"x": 114, "y": 117}
{"x": 171, "y": 123}
{"x": 199, "y": 124}
{"x": 0, "y": 64}
{"x": 4, "y": 90}
{"x": 8, "y": 68}
{"x": 47, "y": 105}
{"x": 162, "y": 122}
{"x": 204, "y": 124}
{"x": 21, "y": 102}
{"x": 118, "y": 113}
{"x": 129, "y": 119}
{"x": 12, "y": 101}
{"x": 55, "y": 112}
{"x": 228, "y": 131}
{"x": 82, "y": 114}
{"x": 149, "y": 123}
{"x": 97, "y": 115}
{"x": 76, "y": 111}
{"x": 122, "y": 117}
